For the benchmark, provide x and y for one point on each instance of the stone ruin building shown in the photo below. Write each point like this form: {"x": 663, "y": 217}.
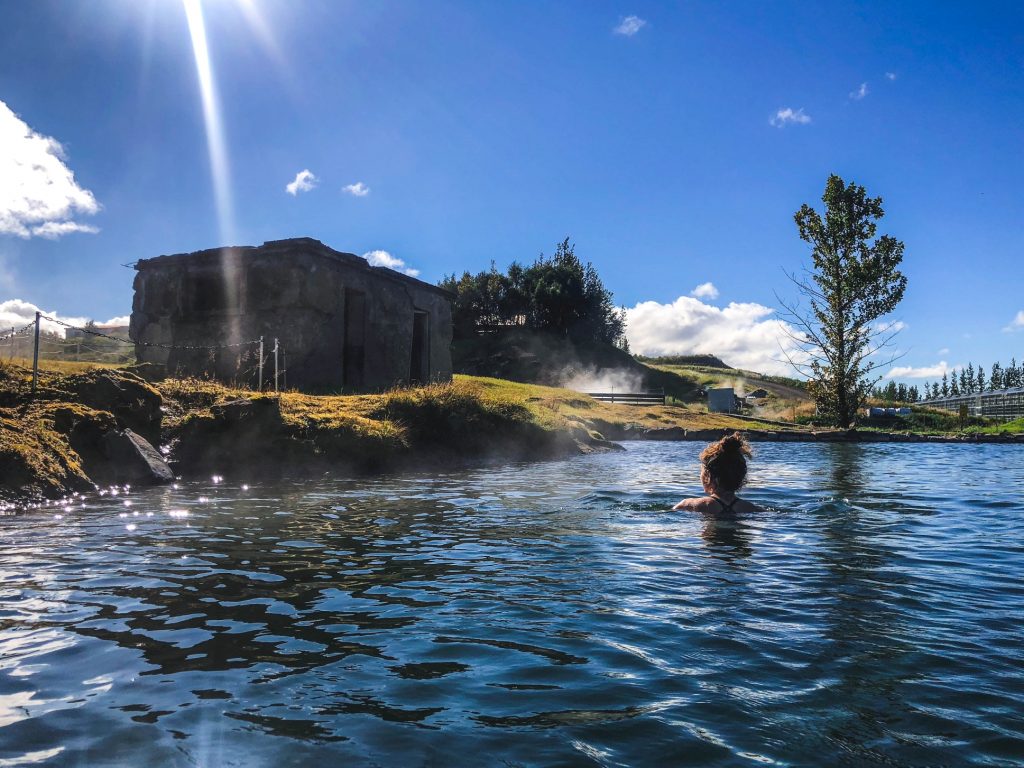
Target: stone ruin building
{"x": 342, "y": 324}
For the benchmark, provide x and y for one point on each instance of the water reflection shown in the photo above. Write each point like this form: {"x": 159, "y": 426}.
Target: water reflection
{"x": 547, "y": 614}
{"x": 727, "y": 535}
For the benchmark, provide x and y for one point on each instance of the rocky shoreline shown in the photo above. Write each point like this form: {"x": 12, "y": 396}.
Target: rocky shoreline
{"x": 84, "y": 431}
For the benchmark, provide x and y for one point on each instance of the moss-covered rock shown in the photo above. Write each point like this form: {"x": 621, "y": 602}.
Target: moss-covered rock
{"x": 36, "y": 458}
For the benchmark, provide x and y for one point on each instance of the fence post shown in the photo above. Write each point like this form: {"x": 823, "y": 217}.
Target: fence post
{"x": 261, "y": 365}
{"x": 284, "y": 369}
{"x": 275, "y": 365}
{"x": 35, "y": 358}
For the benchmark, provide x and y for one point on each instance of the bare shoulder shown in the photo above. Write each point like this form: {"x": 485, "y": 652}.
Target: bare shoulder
{"x": 744, "y": 507}
{"x": 693, "y": 505}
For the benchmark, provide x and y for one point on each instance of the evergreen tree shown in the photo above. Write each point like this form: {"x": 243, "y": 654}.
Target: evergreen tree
{"x": 935, "y": 390}
{"x": 901, "y": 393}
{"x": 981, "y": 379}
{"x": 854, "y": 282}
{"x": 964, "y": 389}
{"x": 995, "y": 379}
{"x": 927, "y": 390}
{"x": 954, "y": 385}
{"x": 889, "y": 393}
{"x": 970, "y": 379}
{"x": 1012, "y": 377}
{"x": 912, "y": 394}
{"x": 945, "y": 385}
{"x": 560, "y": 295}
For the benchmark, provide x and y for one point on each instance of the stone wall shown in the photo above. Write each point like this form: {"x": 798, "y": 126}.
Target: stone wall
{"x": 296, "y": 291}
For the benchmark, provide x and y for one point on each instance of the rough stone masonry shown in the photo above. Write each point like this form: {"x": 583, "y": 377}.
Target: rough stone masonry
{"x": 342, "y": 325}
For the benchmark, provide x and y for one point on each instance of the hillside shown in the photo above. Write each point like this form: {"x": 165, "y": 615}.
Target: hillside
{"x": 551, "y": 360}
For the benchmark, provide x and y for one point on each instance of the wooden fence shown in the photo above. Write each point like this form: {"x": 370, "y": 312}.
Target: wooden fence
{"x": 650, "y": 397}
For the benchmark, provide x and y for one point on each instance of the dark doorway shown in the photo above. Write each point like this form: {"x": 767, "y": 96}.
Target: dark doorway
{"x": 419, "y": 371}
{"x": 354, "y": 351}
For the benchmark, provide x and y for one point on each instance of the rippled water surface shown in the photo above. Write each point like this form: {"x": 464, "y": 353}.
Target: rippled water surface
{"x": 540, "y": 614}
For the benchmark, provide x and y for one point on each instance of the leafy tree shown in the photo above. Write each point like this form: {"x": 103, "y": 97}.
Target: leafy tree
{"x": 889, "y": 393}
{"x": 901, "y": 393}
{"x": 854, "y": 282}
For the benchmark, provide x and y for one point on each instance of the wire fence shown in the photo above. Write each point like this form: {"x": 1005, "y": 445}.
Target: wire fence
{"x": 260, "y": 364}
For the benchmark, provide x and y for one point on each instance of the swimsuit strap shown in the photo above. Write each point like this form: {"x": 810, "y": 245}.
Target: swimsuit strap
{"x": 726, "y": 507}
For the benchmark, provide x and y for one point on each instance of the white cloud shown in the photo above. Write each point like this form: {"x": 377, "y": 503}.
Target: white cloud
{"x": 705, "y": 291}
{"x": 629, "y": 26}
{"x": 924, "y": 372}
{"x": 17, "y": 313}
{"x": 38, "y": 192}
{"x": 786, "y": 116}
{"x": 889, "y": 326}
{"x": 860, "y": 93}
{"x": 890, "y": 75}
{"x": 743, "y": 335}
{"x": 305, "y": 180}
{"x": 52, "y": 230}
{"x": 1017, "y": 323}
{"x": 358, "y": 189}
{"x": 385, "y": 259}
{"x": 943, "y": 351}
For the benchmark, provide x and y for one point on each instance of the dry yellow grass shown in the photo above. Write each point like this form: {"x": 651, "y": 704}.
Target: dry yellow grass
{"x": 61, "y": 366}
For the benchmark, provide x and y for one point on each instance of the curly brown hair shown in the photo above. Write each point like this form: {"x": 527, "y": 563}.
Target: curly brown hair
{"x": 726, "y": 461}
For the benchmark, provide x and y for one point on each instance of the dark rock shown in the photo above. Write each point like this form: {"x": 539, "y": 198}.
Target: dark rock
{"x": 151, "y": 372}
{"x": 592, "y": 442}
{"x": 263, "y": 409}
{"x": 133, "y": 402}
{"x": 707, "y": 435}
{"x": 237, "y": 434}
{"x": 829, "y": 437}
{"x": 789, "y": 436}
{"x": 665, "y": 433}
{"x": 132, "y": 459}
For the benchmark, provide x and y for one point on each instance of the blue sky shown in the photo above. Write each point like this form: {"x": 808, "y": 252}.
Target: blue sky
{"x": 671, "y": 142}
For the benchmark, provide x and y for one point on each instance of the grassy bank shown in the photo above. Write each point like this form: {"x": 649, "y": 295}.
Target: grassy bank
{"x": 50, "y": 444}
{"x": 209, "y": 427}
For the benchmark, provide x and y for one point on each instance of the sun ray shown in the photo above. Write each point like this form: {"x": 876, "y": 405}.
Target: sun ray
{"x": 219, "y": 166}
{"x": 217, "y": 146}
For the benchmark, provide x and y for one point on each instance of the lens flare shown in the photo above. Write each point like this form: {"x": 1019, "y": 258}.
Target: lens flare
{"x": 212, "y": 120}
{"x": 219, "y": 169}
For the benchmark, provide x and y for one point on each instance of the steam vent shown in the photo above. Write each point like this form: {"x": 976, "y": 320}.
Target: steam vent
{"x": 342, "y": 325}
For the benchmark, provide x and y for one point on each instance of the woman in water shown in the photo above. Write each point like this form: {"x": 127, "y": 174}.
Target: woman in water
{"x": 723, "y": 469}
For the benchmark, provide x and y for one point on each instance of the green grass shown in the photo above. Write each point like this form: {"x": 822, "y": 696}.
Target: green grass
{"x": 1014, "y": 427}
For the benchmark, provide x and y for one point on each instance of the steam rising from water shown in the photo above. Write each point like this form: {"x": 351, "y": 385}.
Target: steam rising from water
{"x": 602, "y": 380}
